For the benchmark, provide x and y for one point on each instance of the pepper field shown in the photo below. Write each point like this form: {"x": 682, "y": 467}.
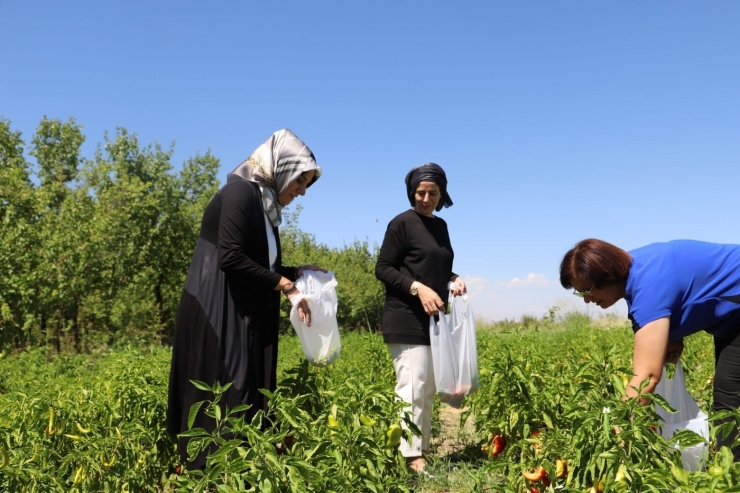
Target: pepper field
{"x": 89, "y": 423}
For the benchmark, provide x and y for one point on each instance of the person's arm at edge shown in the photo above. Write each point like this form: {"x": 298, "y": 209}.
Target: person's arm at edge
{"x": 651, "y": 342}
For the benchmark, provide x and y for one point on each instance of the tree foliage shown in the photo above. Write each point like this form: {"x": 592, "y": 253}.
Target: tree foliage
{"x": 359, "y": 293}
{"x": 95, "y": 251}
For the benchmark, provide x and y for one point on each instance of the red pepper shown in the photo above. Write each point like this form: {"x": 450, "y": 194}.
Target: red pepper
{"x": 498, "y": 444}
{"x": 536, "y": 475}
{"x": 495, "y": 446}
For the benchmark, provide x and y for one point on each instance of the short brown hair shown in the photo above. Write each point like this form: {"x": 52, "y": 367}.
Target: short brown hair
{"x": 596, "y": 261}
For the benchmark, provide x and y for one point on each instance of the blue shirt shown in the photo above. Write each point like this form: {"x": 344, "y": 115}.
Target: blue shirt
{"x": 696, "y": 284}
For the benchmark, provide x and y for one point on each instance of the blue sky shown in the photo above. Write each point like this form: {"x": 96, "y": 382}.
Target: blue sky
{"x": 555, "y": 121}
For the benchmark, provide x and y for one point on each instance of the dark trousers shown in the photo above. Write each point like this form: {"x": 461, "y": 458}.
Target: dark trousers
{"x": 727, "y": 384}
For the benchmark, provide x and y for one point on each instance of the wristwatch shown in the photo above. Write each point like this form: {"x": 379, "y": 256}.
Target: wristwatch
{"x": 414, "y": 288}
{"x": 291, "y": 290}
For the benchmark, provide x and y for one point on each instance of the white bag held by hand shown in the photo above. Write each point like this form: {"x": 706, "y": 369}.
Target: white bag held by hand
{"x": 320, "y": 341}
{"x": 463, "y": 321}
{"x": 688, "y": 417}
{"x": 454, "y": 352}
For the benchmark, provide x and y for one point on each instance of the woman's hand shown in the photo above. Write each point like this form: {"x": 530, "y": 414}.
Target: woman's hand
{"x": 284, "y": 284}
{"x": 304, "y": 312}
{"x": 299, "y": 270}
{"x": 429, "y": 300}
{"x": 291, "y": 291}
{"x": 457, "y": 287}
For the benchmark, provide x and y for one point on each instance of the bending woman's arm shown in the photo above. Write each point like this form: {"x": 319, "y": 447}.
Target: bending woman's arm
{"x": 651, "y": 342}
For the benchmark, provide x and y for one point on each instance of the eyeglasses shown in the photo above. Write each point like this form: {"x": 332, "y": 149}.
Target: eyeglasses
{"x": 583, "y": 294}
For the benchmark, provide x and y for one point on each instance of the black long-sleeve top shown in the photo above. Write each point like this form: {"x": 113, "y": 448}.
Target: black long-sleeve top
{"x": 415, "y": 248}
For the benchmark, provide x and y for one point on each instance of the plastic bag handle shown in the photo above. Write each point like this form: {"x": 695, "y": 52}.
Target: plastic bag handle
{"x": 433, "y": 323}
{"x": 451, "y": 285}
{"x": 310, "y": 281}
{"x": 329, "y": 285}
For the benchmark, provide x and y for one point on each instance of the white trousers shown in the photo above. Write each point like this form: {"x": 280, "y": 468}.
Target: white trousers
{"x": 415, "y": 377}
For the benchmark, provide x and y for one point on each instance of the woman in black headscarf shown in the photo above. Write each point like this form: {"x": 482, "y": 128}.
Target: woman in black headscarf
{"x": 227, "y": 322}
{"x": 415, "y": 264}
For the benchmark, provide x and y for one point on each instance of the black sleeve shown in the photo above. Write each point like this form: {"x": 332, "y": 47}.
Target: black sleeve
{"x": 234, "y": 236}
{"x": 283, "y": 270}
{"x": 390, "y": 257}
{"x": 288, "y": 272}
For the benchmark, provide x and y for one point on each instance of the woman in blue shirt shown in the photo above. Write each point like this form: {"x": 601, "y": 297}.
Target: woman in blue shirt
{"x": 672, "y": 290}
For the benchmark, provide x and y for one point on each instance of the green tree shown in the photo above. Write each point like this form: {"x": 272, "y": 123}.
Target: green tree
{"x": 61, "y": 229}
{"x": 56, "y": 147}
{"x": 359, "y": 293}
{"x": 99, "y": 250}
{"x": 18, "y": 242}
{"x": 147, "y": 221}
{"x": 95, "y": 251}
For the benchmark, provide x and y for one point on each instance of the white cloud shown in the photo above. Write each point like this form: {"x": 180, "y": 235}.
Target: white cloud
{"x": 532, "y": 279}
{"x": 476, "y": 285}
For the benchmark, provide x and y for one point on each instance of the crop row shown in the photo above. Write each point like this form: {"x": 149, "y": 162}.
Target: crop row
{"x": 543, "y": 419}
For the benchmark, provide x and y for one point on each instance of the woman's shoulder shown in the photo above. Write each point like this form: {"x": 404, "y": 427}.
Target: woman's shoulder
{"x": 439, "y": 220}
{"x": 239, "y": 194}
{"x": 245, "y": 190}
{"x": 403, "y": 217}
{"x": 241, "y": 184}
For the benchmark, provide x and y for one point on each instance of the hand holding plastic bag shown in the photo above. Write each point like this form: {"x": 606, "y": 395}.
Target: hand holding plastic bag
{"x": 454, "y": 352}
{"x": 688, "y": 417}
{"x": 320, "y": 342}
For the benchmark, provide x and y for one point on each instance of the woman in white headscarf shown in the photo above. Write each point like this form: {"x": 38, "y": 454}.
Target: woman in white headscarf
{"x": 227, "y": 322}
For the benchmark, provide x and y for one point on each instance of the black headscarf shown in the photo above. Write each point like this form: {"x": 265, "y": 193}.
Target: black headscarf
{"x": 428, "y": 172}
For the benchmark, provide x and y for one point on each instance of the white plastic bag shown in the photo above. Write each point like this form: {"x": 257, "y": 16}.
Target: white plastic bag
{"x": 444, "y": 360}
{"x": 320, "y": 342}
{"x": 454, "y": 352}
{"x": 688, "y": 417}
{"x": 463, "y": 325}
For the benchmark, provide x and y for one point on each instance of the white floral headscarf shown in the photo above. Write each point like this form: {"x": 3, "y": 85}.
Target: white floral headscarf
{"x": 274, "y": 165}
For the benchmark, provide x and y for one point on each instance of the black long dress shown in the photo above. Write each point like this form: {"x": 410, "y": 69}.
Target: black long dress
{"x": 227, "y": 321}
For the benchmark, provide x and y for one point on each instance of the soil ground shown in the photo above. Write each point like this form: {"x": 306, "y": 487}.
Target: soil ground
{"x": 452, "y": 439}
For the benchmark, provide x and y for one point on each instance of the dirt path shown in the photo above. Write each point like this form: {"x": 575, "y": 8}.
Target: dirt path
{"x": 452, "y": 439}
{"x": 448, "y": 448}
